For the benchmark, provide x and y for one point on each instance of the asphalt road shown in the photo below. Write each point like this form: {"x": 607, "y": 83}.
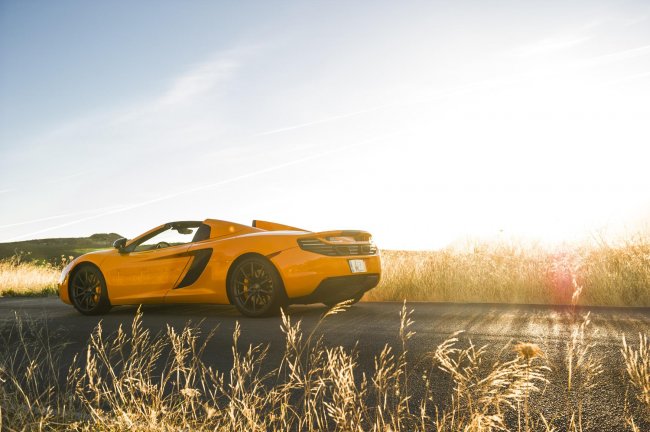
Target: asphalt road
{"x": 369, "y": 326}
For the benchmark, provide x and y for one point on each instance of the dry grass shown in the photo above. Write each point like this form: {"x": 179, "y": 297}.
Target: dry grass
{"x": 133, "y": 380}
{"x": 637, "y": 367}
{"x": 593, "y": 275}
{"x": 20, "y": 277}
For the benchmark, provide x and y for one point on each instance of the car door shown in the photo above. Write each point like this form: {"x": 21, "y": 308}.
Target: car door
{"x": 149, "y": 267}
{"x": 146, "y": 276}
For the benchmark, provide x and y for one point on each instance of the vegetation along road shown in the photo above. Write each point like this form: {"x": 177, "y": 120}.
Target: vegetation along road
{"x": 582, "y": 347}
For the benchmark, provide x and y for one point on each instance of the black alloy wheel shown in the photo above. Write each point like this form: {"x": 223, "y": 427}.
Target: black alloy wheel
{"x": 88, "y": 291}
{"x": 255, "y": 288}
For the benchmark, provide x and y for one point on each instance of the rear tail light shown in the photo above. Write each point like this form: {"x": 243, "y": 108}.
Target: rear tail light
{"x": 342, "y": 249}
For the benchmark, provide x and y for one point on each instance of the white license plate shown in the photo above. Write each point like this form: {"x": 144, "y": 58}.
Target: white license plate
{"x": 357, "y": 266}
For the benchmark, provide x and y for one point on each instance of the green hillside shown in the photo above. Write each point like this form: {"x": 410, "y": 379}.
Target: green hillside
{"x": 52, "y": 249}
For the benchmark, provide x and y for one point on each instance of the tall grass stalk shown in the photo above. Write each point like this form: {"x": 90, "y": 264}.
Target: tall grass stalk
{"x": 637, "y": 368}
{"x": 584, "y": 372}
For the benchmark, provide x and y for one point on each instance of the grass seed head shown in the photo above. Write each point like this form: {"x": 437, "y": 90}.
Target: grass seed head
{"x": 528, "y": 351}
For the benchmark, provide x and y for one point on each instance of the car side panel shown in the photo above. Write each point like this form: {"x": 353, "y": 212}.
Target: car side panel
{"x": 210, "y": 287}
{"x": 144, "y": 277}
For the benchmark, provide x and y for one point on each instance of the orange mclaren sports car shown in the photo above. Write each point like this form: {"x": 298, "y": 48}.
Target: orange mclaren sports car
{"x": 257, "y": 268}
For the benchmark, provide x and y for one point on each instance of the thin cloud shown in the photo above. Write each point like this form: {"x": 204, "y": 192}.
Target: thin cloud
{"x": 551, "y": 45}
{"x": 34, "y": 183}
{"x": 198, "y": 81}
{"x": 324, "y": 120}
{"x": 629, "y": 78}
{"x": 632, "y": 21}
{"x": 440, "y": 94}
{"x": 619, "y": 55}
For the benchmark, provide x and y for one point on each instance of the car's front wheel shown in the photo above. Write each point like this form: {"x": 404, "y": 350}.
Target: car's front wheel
{"x": 255, "y": 287}
{"x": 88, "y": 291}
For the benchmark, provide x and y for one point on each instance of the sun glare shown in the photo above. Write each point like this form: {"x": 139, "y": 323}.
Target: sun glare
{"x": 552, "y": 154}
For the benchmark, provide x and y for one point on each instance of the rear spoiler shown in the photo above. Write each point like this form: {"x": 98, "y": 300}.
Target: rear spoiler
{"x": 272, "y": 226}
{"x": 332, "y": 237}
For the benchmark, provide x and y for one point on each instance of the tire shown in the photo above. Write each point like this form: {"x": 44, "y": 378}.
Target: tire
{"x": 353, "y": 300}
{"x": 88, "y": 291}
{"x": 255, "y": 288}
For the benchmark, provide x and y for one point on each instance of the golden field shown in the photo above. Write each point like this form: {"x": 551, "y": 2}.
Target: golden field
{"x": 600, "y": 275}
{"x": 133, "y": 380}
{"x": 604, "y": 275}
{"x": 26, "y": 278}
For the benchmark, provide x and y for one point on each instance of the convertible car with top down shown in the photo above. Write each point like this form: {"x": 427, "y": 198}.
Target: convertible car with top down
{"x": 258, "y": 269}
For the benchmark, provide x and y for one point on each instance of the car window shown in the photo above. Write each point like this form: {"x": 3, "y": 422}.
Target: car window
{"x": 173, "y": 236}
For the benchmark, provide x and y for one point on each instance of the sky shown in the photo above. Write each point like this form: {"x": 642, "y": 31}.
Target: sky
{"x": 425, "y": 123}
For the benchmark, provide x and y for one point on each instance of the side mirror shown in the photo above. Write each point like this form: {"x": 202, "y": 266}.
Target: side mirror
{"x": 119, "y": 243}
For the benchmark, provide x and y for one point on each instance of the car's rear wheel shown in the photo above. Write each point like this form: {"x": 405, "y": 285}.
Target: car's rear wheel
{"x": 353, "y": 300}
{"x": 255, "y": 287}
{"x": 88, "y": 291}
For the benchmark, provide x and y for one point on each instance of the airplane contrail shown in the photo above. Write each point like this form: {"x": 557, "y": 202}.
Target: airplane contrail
{"x": 202, "y": 187}
{"x": 619, "y": 55}
{"x": 628, "y": 78}
{"x": 29, "y": 222}
{"x": 441, "y": 93}
{"x": 324, "y": 120}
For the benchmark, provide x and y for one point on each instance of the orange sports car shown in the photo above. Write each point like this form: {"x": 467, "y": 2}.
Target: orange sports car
{"x": 257, "y": 268}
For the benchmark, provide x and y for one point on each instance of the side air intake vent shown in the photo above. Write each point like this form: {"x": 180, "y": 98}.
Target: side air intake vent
{"x": 319, "y": 247}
